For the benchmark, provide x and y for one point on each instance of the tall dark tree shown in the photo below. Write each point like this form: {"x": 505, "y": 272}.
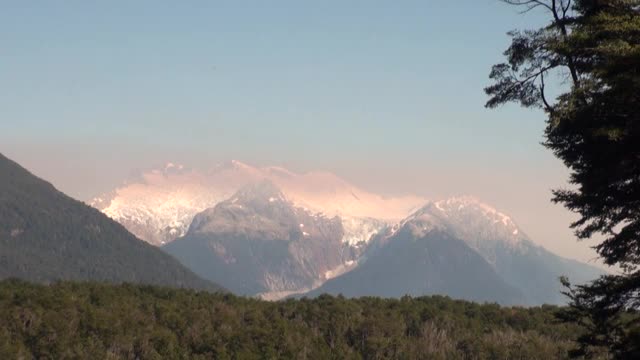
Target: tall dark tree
{"x": 591, "y": 49}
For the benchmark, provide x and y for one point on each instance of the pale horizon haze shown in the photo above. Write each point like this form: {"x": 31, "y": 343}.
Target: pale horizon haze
{"x": 387, "y": 95}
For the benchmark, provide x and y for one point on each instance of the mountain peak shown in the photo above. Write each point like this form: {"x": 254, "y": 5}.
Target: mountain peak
{"x": 471, "y": 204}
{"x": 263, "y": 191}
{"x": 279, "y": 171}
{"x": 470, "y": 219}
{"x": 462, "y": 199}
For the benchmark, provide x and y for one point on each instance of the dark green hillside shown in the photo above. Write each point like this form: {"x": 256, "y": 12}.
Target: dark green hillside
{"x": 46, "y": 236}
{"x": 97, "y": 321}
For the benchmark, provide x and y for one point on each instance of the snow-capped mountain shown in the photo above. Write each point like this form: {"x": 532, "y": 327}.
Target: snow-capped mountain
{"x": 514, "y": 260}
{"x": 259, "y": 243}
{"x": 273, "y": 232}
{"x": 481, "y": 226}
{"x": 159, "y": 206}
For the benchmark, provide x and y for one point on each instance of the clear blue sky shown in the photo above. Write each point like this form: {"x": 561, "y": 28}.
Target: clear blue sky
{"x": 267, "y": 76}
{"x": 385, "y": 93}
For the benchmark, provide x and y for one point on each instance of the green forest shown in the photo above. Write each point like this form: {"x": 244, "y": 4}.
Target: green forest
{"x": 101, "y": 321}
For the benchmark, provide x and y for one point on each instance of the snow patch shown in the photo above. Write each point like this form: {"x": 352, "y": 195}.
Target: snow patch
{"x": 360, "y": 230}
{"x": 340, "y": 269}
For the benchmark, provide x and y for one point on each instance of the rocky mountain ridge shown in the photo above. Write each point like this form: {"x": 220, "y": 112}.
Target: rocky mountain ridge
{"x": 259, "y": 243}
{"x": 160, "y": 204}
{"x": 270, "y": 232}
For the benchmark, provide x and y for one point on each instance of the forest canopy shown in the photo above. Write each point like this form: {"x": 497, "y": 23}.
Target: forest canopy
{"x": 92, "y": 320}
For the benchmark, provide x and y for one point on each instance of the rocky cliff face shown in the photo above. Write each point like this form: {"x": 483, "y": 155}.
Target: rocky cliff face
{"x": 259, "y": 243}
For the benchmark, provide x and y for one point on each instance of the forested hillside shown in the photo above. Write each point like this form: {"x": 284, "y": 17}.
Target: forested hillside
{"x": 97, "y": 321}
{"x": 47, "y": 236}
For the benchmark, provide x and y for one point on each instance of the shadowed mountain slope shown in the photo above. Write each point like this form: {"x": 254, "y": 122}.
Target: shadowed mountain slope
{"x": 47, "y": 236}
{"x": 428, "y": 263}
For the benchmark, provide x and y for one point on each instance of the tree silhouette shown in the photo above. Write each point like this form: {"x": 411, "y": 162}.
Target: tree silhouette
{"x": 593, "y": 48}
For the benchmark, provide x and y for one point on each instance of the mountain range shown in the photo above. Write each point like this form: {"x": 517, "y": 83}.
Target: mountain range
{"x": 273, "y": 233}
{"x": 46, "y": 236}
{"x": 159, "y": 205}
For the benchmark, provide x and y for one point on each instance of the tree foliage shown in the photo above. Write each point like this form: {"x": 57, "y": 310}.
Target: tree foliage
{"x": 101, "y": 321}
{"x": 593, "y": 126}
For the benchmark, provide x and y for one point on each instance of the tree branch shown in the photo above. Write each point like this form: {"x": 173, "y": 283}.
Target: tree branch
{"x": 565, "y": 9}
{"x": 559, "y": 23}
{"x": 549, "y": 108}
{"x": 531, "y": 4}
{"x": 520, "y": 82}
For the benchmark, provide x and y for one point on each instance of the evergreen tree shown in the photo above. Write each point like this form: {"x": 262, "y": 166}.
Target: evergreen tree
{"x": 106, "y": 321}
{"x": 593, "y": 126}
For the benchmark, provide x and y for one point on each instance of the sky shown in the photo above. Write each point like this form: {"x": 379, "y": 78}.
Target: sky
{"x": 387, "y": 94}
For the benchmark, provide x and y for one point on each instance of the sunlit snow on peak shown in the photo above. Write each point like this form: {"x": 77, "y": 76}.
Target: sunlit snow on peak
{"x": 159, "y": 205}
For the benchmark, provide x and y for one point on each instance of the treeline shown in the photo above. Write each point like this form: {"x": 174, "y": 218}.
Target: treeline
{"x": 101, "y": 321}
